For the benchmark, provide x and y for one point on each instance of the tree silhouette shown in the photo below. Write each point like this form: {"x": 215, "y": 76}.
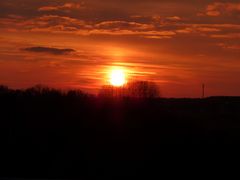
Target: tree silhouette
{"x": 76, "y": 94}
{"x": 143, "y": 89}
{"x": 135, "y": 89}
{"x": 43, "y": 90}
{"x": 3, "y": 89}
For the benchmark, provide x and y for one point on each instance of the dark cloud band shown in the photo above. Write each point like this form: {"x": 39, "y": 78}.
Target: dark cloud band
{"x": 49, "y": 50}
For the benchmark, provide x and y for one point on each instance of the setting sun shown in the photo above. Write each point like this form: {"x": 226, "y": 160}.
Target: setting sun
{"x": 117, "y": 77}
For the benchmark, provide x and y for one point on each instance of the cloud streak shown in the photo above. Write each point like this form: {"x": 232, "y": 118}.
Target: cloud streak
{"x": 66, "y": 6}
{"x": 221, "y": 8}
{"x": 49, "y": 50}
{"x": 163, "y": 28}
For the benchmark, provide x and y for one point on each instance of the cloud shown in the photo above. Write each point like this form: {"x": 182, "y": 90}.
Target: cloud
{"x": 45, "y": 23}
{"x": 157, "y": 37}
{"x": 49, "y": 50}
{"x": 226, "y": 36}
{"x": 147, "y": 18}
{"x": 140, "y": 26}
{"x": 220, "y": 8}
{"x": 123, "y": 25}
{"x": 174, "y": 18}
{"x": 66, "y": 6}
{"x": 208, "y": 29}
{"x": 64, "y": 24}
{"x": 235, "y": 47}
{"x": 145, "y": 34}
{"x": 224, "y": 30}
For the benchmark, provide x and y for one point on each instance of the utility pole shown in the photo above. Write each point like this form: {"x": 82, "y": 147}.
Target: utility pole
{"x": 203, "y": 90}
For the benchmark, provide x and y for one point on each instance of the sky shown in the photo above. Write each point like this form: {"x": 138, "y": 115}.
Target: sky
{"x": 71, "y": 44}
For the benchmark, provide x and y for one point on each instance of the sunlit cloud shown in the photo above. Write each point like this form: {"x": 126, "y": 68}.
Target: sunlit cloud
{"x": 66, "y": 6}
{"x": 226, "y": 36}
{"x": 221, "y": 8}
{"x": 174, "y": 18}
{"x": 54, "y": 23}
{"x": 123, "y": 25}
{"x": 235, "y": 47}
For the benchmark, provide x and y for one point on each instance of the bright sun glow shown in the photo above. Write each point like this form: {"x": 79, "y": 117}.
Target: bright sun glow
{"x": 117, "y": 77}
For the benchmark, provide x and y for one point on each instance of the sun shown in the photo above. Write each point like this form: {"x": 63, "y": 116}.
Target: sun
{"x": 117, "y": 77}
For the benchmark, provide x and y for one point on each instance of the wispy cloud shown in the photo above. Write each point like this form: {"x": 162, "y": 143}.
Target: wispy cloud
{"x": 64, "y": 24}
{"x": 226, "y": 36}
{"x": 221, "y": 8}
{"x": 174, "y": 18}
{"x": 229, "y": 46}
{"x": 66, "y": 6}
{"x": 164, "y": 28}
{"x": 123, "y": 25}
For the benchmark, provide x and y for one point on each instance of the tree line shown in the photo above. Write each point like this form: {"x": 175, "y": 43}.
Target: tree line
{"x": 136, "y": 89}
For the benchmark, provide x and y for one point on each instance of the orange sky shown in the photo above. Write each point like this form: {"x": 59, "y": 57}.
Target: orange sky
{"x": 75, "y": 44}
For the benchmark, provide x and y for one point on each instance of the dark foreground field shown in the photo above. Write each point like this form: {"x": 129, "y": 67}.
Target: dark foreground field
{"x": 51, "y": 135}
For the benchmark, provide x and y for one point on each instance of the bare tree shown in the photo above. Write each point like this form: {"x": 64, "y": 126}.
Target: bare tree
{"x": 143, "y": 89}
{"x": 136, "y": 89}
{"x": 42, "y": 90}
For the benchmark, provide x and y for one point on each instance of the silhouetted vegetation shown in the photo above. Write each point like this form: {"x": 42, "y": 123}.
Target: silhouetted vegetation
{"x": 143, "y": 89}
{"x": 47, "y": 133}
{"x": 135, "y": 89}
